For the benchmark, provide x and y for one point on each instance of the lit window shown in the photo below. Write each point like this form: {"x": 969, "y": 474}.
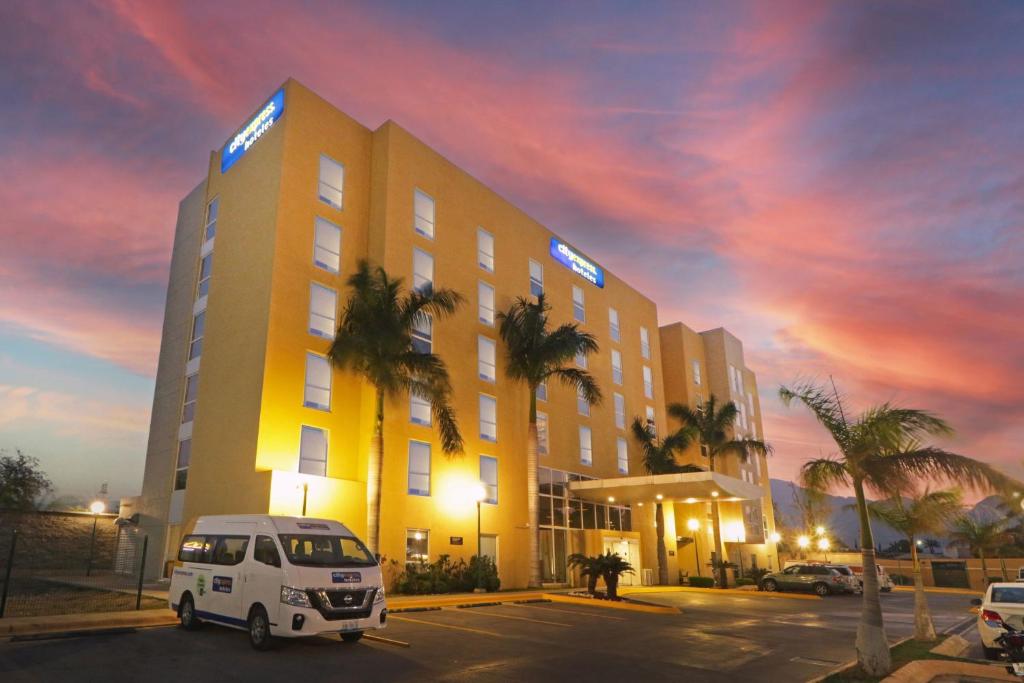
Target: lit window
{"x": 419, "y": 410}
{"x": 423, "y": 334}
{"x": 332, "y": 181}
{"x": 536, "y": 278}
{"x": 616, "y": 366}
{"x": 212, "y": 209}
{"x": 489, "y": 478}
{"x": 582, "y": 404}
{"x": 613, "y": 324}
{"x": 181, "y": 469}
{"x": 581, "y": 360}
{"x": 622, "y": 452}
{"x": 542, "y": 391}
{"x": 327, "y": 245}
{"x": 742, "y": 410}
{"x": 485, "y": 250}
{"x": 579, "y": 312}
{"x": 323, "y": 304}
{"x": 734, "y": 379}
{"x": 486, "y": 308}
{"x": 423, "y": 220}
{"x": 416, "y": 543}
{"x": 645, "y": 343}
{"x": 620, "y": 411}
{"x": 650, "y": 420}
{"x": 485, "y": 359}
{"x": 586, "y": 449}
{"x": 648, "y": 383}
{"x": 195, "y": 348}
{"x": 696, "y": 372}
{"x": 188, "y": 413}
{"x": 542, "y": 433}
{"x": 205, "y": 270}
{"x": 419, "y": 468}
{"x": 488, "y": 418}
{"x": 422, "y": 270}
{"x": 313, "y": 451}
{"x": 318, "y": 383}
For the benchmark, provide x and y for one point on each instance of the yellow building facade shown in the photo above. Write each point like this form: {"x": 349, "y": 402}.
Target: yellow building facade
{"x": 248, "y": 416}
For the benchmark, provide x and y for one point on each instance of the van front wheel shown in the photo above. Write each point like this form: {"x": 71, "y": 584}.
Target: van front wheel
{"x": 351, "y": 636}
{"x": 187, "y": 614}
{"x": 259, "y": 628}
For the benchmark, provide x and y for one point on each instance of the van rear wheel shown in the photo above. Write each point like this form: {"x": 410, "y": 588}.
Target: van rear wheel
{"x": 351, "y": 636}
{"x": 259, "y": 628}
{"x": 187, "y": 614}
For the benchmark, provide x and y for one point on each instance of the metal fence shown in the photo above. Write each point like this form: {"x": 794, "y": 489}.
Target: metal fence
{"x": 45, "y": 574}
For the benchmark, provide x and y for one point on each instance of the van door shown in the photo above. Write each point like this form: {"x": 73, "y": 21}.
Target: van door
{"x": 225, "y": 589}
{"x": 264, "y": 577}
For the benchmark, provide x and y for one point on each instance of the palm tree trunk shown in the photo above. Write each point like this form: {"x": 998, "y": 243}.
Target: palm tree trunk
{"x": 924, "y": 629}
{"x": 532, "y": 493}
{"x": 984, "y": 569}
{"x": 716, "y": 527}
{"x": 872, "y": 645}
{"x": 375, "y": 472}
{"x": 1002, "y": 565}
{"x": 659, "y": 522}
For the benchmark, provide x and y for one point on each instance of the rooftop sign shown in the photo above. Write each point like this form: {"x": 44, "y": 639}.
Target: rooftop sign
{"x": 585, "y": 268}
{"x": 252, "y": 131}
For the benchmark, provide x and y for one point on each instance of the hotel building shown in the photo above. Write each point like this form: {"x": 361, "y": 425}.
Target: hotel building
{"x": 249, "y": 416}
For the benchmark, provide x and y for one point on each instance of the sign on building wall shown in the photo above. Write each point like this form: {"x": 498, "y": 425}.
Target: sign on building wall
{"x": 245, "y": 138}
{"x": 568, "y": 257}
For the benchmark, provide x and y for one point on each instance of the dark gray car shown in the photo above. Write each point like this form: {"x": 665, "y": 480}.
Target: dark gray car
{"x": 816, "y": 578}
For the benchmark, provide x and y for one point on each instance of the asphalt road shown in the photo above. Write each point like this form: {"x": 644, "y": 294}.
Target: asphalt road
{"x": 713, "y": 638}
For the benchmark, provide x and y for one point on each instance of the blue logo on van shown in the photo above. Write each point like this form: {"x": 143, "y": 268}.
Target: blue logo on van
{"x": 346, "y": 577}
{"x": 222, "y": 584}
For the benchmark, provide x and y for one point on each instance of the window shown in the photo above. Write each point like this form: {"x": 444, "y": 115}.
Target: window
{"x": 489, "y": 478}
{"x": 181, "y": 470}
{"x": 734, "y": 379}
{"x": 586, "y": 449}
{"x": 230, "y": 550}
{"x": 622, "y": 455}
{"x": 195, "y": 349}
{"x": 485, "y": 250}
{"x": 579, "y": 312}
{"x": 648, "y": 383}
{"x": 205, "y": 270}
{"x": 542, "y": 433}
{"x": 620, "y": 411}
{"x": 616, "y": 366}
{"x": 486, "y": 308}
{"x": 485, "y": 359}
{"x": 645, "y": 343}
{"x": 313, "y": 451}
{"x": 423, "y": 334}
{"x": 416, "y": 543}
{"x": 318, "y": 383}
{"x": 188, "y": 413}
{"x": 750, "y": 404}
{"x": 650, "y": 420}
{"x": 582, "y": 404}
{"x": 327, "y": 245}
{"x": 265, "y": 551}
{"x": 613, "y": 324}
{"x": 696, "y": 372}
{"x": 197, "y": 549}
{"x": 332, "y": 181}
{"x": 419, "y": 410}
{"x": 581, "y": 360}
{"x": 423, "y": 214}
{"x": 488, "y": 418}
{"x": 323, "y": 304}
{"x": 542, "y": 391}
{"x": 742, "y": 410}
{"x": 536, "y": 278}
{"x": 422, "y": 270}
{"x": 212, "y": 209}
{"x": 419, "y": 468}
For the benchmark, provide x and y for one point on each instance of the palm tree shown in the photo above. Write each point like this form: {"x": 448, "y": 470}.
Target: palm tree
{"x": 712, "y": 425}
{"x": 536, "y": 353}
{"x": 877, "y": 453}
{"x": 375, "y": 341}
{"x": 979, "y": 536}
{"x": 590, "y": 569}
{"x": 659, "y": 458}
{"x": 612, "y": 567}
{"x": 929, "y": 512}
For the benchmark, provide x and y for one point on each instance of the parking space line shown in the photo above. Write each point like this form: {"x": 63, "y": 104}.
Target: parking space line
{"x": 571, "y": 611}
{"x": 509, "y": 616}
{"x": 386, "y": 641}
{"x": 451, "y": 626}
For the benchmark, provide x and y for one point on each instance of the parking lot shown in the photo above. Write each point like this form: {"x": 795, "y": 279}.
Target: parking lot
{"x": 712, "y": 638}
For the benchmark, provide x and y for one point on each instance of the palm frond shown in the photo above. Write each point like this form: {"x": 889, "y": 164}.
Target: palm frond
{"x": 581, "y": 381}
{"x": 823, "y": 403}
{"x": 901, "y": 471}
{"x": 824, "y": 474}
{"x": 744, "y": 448}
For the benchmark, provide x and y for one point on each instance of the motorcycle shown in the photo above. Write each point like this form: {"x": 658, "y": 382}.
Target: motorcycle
{"x": 1012, "y": 643}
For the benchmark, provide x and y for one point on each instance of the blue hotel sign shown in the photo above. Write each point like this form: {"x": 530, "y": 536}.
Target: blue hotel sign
{"x": 237, "y": 146}
{"x": 567, "y": 256}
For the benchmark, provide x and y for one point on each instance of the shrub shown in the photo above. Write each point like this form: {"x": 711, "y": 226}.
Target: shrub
{"x": 757, "y": 573}
{"x": 702, "y": 582}
{"x": 901, "y": 579}
{"x": 744, "y": 582}
{"x": 446, "y": 576}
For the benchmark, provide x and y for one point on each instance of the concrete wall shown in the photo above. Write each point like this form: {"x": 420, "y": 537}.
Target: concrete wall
{"x": 57, "y": 540}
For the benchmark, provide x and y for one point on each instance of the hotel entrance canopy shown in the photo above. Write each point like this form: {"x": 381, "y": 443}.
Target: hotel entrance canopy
{"x": 689, "y": 487}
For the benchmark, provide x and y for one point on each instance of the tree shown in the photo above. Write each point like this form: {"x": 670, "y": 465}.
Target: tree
{"x": 715, "y": 428}
{"x": 590, "y": 569}
{"x": 979, "y": 537}
{"x": 535, "y": 353}
{"x": 659, "y": 458}
{"x": 924, "y": 513}
{"x": 878, "y": 451}
{"x": 375, "y": 342}
{"x": 22, "y": 481}
{"x": 612, "y": 568}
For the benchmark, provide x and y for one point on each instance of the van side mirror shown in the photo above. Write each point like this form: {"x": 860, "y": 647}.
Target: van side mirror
{"x": 976, "y": 602}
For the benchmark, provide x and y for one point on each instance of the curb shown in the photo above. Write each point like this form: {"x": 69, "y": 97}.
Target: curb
{"x": 90, "y": 622}
{"x": 853, "y": 663}
{"x": 717, "y": 591}
{"x": 940, "y": 591}
{"x": 608, "y": 604}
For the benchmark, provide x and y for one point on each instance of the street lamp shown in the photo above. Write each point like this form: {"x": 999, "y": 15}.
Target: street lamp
{"x": 819, "y": 531}
{"x": 803, "y": 542}
{"x": 694, "y": 525}
{"x": 96, "y": 508}
{"x": 774, "y": 537}
{"x": 823, "y": 546}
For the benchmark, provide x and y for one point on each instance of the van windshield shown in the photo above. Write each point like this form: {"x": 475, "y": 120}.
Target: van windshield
{"x": 318, "y": 550}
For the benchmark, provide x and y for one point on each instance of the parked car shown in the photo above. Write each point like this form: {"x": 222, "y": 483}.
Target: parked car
{"x": 277, "y": 576}
{"x": 1003, "y": 603}
{"x": 885, "y": 582}
{"x": 851, "y": 579}
{"x": 819, "y": 578}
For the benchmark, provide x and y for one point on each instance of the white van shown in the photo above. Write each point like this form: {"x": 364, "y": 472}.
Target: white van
{"x": 277, "y": 576}
{"x": 885, "y": 582}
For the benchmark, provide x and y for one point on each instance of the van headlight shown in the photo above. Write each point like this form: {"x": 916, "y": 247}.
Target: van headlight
{"x": 379, "y": 597}
{"x": 294, "y": 597}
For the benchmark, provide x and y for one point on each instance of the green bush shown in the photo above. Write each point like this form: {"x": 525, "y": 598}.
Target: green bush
{"x": 702, "y": 582}
{"x": 744, "y": 582}
{"x": 446, "y": 576}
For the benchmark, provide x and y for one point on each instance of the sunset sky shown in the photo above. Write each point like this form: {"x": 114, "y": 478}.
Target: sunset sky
{"x": 840, "y": 184}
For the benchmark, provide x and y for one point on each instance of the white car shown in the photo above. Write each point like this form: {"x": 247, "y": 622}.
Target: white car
{"x": 885, "y": 583}
{"x": 277, "y": 576}
{"x": 1003, "y": 603}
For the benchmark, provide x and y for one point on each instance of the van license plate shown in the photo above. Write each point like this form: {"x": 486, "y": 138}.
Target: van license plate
{"x": 351, "y": 625}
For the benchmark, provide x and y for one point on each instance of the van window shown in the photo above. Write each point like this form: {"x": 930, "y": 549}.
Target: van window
{"x": 230, "y": 549}
{"x": 320, "y": 550}
{"x": 196, "y": 549}
{"x": 265, "y": 551}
